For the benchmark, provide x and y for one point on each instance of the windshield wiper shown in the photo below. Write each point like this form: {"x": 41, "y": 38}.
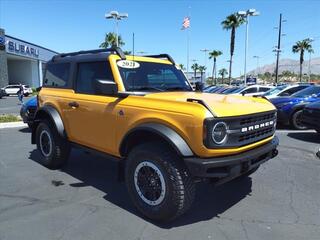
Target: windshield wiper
{"x": 147, "y": 88}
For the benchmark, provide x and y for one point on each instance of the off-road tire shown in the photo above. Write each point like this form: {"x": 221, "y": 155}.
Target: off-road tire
{"x": 60, "y": 148}
{"x": 295, "y": 120}
{"x": 179, "y": 185}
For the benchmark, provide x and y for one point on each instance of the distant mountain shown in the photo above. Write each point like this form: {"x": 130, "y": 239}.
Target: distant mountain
{"x": 292, "y": 66}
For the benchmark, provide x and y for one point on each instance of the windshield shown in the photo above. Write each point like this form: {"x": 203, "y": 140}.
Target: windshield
{"x": 153, "y": 77}
{"x": 274, "y": 91}
{"x": 307, "y": 92}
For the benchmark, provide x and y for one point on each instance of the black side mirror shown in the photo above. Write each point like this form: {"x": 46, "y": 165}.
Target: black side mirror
{"x": 199, "y": 86}
{"x": 243, "y": 93}
{"x": 106, "y": 87}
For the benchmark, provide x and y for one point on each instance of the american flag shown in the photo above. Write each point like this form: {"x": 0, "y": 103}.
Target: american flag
{"x": 186, "y": 23}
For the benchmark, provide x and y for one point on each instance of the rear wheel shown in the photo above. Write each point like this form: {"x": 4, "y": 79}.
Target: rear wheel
{"x": 158, "y": 183}
{"x": 54, "y": 150}
{"x": 296, "y": 120}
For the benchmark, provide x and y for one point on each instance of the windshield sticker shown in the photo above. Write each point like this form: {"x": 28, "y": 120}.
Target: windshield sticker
{"x": 128, "y": 64}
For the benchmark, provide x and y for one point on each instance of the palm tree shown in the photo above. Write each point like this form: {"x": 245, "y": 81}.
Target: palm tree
{"x": 232, "y": 22}
{"x": 214, "y": 54}
{"x": 110, "y": 40}
{"x": 302, "y": 46}
{"x": 181, "y": 66}
{"x": 195, "y": 67}
{"x": 222, "y": 73}
{"x": 202, "y": 69}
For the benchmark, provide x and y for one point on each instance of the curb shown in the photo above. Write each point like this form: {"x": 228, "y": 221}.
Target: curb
{"x": 13, "y": 125}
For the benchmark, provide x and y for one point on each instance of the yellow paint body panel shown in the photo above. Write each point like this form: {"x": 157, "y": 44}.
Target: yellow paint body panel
{"x": 96, "y": 123}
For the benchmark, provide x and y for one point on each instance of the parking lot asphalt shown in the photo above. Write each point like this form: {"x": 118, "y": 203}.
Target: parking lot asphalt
{"x": 85, "y": 201}
{"x": 11, "y": 105}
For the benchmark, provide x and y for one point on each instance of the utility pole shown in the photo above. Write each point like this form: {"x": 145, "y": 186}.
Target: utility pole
{"x": 278, "y": 49}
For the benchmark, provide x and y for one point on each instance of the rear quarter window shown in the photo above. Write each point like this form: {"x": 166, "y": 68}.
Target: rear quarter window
{"x": 57, "y": 75}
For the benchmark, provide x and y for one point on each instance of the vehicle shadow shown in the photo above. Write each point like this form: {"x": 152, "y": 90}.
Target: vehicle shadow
{"x": 311, "y": 137}
{"x": 25, "y": 130}
{"x": 99, "y": 173}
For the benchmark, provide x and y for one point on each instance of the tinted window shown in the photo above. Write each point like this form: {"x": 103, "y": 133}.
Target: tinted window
{"x": 307, "y": 91}
{"x": 291, "y": 91}
{"x": 57, "y": 75}
{"x": 89, "y": 72}
{"x": 250, "y": 90}
{"x": 263, "y": 89}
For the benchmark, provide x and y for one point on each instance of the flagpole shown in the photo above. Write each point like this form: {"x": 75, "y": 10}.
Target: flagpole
{"x": 188, "y": 35}
{"x": 188, "y": 43}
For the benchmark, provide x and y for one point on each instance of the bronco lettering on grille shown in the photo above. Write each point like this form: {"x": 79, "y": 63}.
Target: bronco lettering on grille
{"x": 257, "y": 126}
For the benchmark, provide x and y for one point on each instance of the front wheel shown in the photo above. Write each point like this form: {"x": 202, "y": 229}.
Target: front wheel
{"x": 53, "y": 149}
{"x": 158, "y": 183}
{"x": 296, "y": 120}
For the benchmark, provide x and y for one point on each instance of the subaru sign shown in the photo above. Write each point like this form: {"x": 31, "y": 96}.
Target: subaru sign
{"x": 251, "y": 80}
{"x": 22, "y": 49}
{"x": 2, "y": 43}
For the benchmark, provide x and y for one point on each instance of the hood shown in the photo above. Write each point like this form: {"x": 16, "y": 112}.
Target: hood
{"x": 220, "y": 105}
{"x": 280, "y": 100}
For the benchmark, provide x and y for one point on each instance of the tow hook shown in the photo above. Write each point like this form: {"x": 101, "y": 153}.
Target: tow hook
{"x": 274, "y": 153}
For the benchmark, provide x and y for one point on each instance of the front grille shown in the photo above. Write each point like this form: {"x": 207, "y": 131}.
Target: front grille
{"x": 243, "y": 130}
{"x": 255, "y": 119}
{"x": 257, "y": 134}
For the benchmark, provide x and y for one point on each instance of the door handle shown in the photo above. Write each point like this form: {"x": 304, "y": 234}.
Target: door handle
{"x": 73, "y": 104}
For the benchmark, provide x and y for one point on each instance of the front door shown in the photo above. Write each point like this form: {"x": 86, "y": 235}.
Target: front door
{"x": 90, "y": 117}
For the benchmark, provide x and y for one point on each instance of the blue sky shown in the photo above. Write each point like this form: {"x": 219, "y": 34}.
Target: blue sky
{"x": 72, "y": 25}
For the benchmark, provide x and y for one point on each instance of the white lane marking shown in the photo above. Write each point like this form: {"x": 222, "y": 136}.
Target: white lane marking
{"x": 13, "y": 125}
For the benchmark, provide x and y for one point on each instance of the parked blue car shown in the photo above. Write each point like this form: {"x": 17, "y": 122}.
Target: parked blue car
{"x": 28, "y": 110}
{"x": 290, "y": 108}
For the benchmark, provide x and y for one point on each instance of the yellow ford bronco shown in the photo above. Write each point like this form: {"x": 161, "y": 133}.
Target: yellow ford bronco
{"x": 142, "y": 112}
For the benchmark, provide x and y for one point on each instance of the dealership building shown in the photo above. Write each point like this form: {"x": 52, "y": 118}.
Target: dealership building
{"x": 21, "y": 61}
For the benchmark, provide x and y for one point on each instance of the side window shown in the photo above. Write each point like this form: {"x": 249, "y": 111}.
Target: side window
{"x": 291, "y": 91}
{"x": 263, "y": 89}
{"x": 90, "y": 71}
{"x": 57, "y": 75}
{"x": 250, "y": 90}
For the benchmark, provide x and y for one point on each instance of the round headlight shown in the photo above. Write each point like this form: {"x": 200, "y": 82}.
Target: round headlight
{"x": 219, "y": 133}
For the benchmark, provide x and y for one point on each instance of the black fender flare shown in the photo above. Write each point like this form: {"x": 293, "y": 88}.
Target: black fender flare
{"x": 50, "y": 112}
{"x": 162, "y": 131}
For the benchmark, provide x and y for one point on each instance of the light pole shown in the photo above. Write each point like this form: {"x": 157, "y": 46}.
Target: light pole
{"x": 246, "y": 15}
{"x": 205, "y": 58}
{"x": 258, "y": 67}
{"x": 117, "y": 17}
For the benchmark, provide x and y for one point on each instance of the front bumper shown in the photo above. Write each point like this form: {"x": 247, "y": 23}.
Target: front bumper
{"x": 232, "y": 166}
{"x": 27, "y": 115}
